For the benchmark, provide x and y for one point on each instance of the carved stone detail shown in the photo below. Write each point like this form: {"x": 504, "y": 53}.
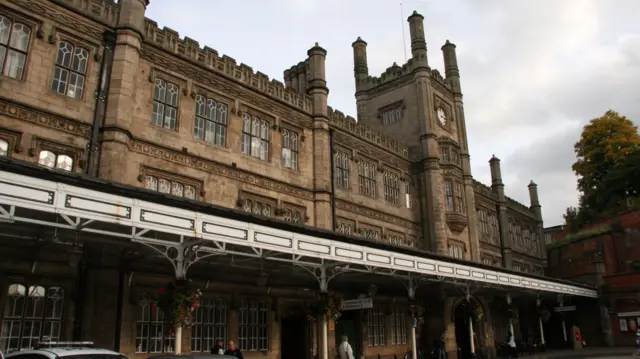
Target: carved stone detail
{"x": 24, "y": 113}
{"x": 371, "y": 213}
{"x": 457, "y": 222}
{"x": 64, "y": 18}
{"x": 176, "y": 156}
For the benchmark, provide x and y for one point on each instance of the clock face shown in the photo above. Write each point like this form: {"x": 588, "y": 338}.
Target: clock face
{"x": 442, "y": 117}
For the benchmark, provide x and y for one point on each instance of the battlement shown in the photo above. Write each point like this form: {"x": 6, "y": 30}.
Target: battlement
{"x": 483, "y": 189}
{"x": 104, "y": 11}
{"x": 518, "y": 206}
{"x": 368, "y": 134}
{"x": 169, "y": 40}
{"x": 395, "y": 72}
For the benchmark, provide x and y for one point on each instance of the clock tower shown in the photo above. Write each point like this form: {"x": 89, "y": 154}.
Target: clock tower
{"x": 416, "y": 105}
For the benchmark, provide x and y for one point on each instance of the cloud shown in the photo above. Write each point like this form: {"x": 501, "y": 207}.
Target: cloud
{"x": 533, "y": 72}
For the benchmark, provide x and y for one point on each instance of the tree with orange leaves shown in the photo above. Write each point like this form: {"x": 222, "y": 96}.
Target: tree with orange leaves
{"x": 607, "y": 155}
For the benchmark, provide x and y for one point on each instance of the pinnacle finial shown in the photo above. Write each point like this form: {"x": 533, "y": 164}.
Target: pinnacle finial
{"x": 532, "y": 184}
{"x": 448, "y": 44}
{"x": 415, "y": 14}
{"x": 359, "y": 41}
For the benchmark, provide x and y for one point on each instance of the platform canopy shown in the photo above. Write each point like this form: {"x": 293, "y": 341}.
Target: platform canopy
{"x": 185, "y": 231}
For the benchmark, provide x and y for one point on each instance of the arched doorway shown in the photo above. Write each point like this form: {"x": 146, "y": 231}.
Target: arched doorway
{"x": 463, "y": 336}
{"x": 294, "y": 333}
{"x": 464, "y": 313}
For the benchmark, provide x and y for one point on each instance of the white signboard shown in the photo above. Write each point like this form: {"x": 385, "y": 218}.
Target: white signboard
{"x": 355, "y": 304}
{"x": 570, "y": 308}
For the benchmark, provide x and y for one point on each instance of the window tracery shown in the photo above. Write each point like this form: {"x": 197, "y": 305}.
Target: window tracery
{"x": 14, "y": 47}
{"x": 70, "y": 70}
{"x": 52, "y": 159}
{"x": 31, "y": 314}
{"x": 342, "y": 169}
{"x": 165, "y": 104}
{"x": 255, "y": 137}
{"x": 367, "y": 176}
{"x": 391, "y": 187}
{"x": 211, "y": 121}
{"x": 151, "y": 334}
{"x": 290, "y": 150}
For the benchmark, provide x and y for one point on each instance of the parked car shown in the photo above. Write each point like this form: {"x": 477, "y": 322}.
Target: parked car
{"x": 192, "y": 356}
{"x": 64, "y": 350}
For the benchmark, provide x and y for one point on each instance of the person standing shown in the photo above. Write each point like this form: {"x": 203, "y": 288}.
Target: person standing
{"x": 218, "y": 348}
{"x": 439, "y": 347}
{"x": 345, "y": 350}
{"x": 513, "y": 353}
{"x": 233, "y": 350}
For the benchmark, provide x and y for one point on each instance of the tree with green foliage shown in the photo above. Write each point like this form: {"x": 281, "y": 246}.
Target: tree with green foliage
{"x": 607, "y": 165}
{"x": 605, "y": 144}
{"x": 620, "y": 184}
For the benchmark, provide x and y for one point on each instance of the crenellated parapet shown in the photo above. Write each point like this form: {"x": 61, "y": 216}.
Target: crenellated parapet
{"x": 169, "y": 40}
{"x": 519, "y": 207}
{"x": 396, "y": 71}
{"x": 297, "y": 77}
{"x": 104, "y": 11}
{"x": 484, "y": 190}
{"x": 368, "y": 134}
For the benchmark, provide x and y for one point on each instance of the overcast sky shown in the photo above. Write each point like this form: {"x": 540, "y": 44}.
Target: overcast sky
{"x": 533, "y": 72}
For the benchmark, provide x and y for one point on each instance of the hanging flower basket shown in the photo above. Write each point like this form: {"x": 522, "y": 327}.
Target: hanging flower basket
{"x": 325, "y": 305}
{"x": 178, "y": 303}
{"x": 417, "y": 312}
{"x": 544, "y": 314}
{"x": 474, "y": 310}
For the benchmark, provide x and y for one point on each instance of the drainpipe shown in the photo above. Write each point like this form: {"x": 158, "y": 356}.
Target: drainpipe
{"x": 425, "y": 229}
{"x": 119, "y": 308}
{"x": 100, "y": 106}
{"x": 333, "y": 180}
{"x": 502, "y": 239}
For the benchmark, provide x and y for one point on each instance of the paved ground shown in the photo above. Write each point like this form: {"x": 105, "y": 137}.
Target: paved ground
{"x": 586, "y": 353}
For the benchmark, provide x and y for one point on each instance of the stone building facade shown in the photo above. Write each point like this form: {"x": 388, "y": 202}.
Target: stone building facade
{"x": 95, "y": 88}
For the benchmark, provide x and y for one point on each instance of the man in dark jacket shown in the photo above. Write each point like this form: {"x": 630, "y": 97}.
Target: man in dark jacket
{"x": 233, "y": 350}
{"x": 218, "y": 348}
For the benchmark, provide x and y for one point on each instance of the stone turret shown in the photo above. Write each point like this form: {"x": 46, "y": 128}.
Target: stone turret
{"x": 418, "y": 42}
{"x": 537, "y": 209}
{"x": 496, "y": 176}
{"x": 130, "y": 30}
{"x": 360, "y": 68}
{"x": 131, "y": 15}
{"x": 317, "y": 89}
{"x": 498, "y": 188}
{"x": 451, "y": 70}
{"x": 535, "y": 201}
